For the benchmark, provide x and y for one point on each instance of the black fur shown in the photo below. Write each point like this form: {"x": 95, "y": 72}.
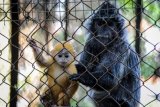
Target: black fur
{"x": 108, "y": 64}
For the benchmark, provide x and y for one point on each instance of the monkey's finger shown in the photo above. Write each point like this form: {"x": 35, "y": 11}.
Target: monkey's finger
{"x": 32, "y": 43}
{"x": 74, "y": 77}
{"x": 79, "y": 78}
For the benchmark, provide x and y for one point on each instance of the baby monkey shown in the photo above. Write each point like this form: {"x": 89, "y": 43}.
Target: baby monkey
{"x": 60, "y": 64}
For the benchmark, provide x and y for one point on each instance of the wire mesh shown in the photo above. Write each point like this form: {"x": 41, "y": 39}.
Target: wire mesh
{"x": 41, "y": 24}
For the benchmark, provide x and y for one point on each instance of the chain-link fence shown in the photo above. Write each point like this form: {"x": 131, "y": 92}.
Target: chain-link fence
{"x": 37, "y": 68}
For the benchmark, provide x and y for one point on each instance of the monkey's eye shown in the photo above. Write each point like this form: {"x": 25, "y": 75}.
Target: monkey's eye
{"x": 66, "y": 56}
{"x": 60, "y": 56}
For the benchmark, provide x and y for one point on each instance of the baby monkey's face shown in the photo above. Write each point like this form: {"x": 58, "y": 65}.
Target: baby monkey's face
{"x": 64, "y": 58}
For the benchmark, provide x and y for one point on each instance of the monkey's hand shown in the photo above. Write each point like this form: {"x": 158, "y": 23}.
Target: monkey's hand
{"x": 33, "y": 44}
{"x": 80, "y": 68}
{"x": 85, "y": 78}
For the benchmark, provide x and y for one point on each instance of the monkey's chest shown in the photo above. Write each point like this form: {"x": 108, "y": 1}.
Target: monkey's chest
{"x": 59, "y": 75}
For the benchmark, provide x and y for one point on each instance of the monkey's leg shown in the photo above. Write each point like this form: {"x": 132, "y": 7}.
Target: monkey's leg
{"x": 47, "y": 99}
{"x": 70, "y": 92}
{"x": 72, "y": 88}
{"x": 52, "y": 96}
{"x": 56, "y": 90}
{"x": 61, "y": 99}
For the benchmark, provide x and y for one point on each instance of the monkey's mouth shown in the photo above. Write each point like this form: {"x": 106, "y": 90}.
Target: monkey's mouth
{"x": 63, "y": 64}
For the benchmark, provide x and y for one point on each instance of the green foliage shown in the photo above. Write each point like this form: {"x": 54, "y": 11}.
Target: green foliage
{"x": 73, "y": 103}
{"x": 127, "y": 7}
{"x": 40, "y": 105}
{"x": 82, "y": 103}
{"x": 148, "y": 66}
{"x": 126, "y": 3}
{"x": 151, "y": 9}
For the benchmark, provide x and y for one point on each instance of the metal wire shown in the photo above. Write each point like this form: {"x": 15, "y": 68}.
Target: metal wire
{"x": 51, "y": 21}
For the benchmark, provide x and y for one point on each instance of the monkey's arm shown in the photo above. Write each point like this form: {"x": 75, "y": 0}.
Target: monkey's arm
{"x": 86, "y": 61}
{"x": 107, "y": 74}
{"x": 80, "y": 68}
{"x": 42, "y": 57}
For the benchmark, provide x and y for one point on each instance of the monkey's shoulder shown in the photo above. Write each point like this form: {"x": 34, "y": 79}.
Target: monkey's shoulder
{"x": 71, "y": 69}
{"x": 56, "y": 71}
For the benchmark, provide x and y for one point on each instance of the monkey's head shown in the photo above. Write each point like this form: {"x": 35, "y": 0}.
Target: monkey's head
{"x": 63, "y": 53}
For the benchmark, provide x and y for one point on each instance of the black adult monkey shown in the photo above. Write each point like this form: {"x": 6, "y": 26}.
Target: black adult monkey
{"x": 108, "y": 64}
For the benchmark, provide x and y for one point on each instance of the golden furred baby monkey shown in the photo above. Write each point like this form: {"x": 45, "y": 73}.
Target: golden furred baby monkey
{"x": 60, "y": 63}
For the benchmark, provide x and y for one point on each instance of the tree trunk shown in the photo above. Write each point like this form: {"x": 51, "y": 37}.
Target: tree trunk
{"x": 14, "y": 51}
{"x": 66, "y": 20}
{"x": 138, "y": 13}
